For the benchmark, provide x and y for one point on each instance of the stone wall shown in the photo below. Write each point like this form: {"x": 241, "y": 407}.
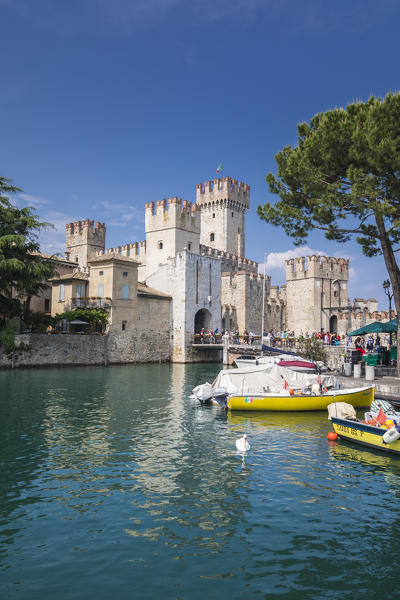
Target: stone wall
{"x": 335, "y": 357}
{"x": 143, "y": 346}
{"x": 241, "y": 298}
{"x": 42, "y": 350}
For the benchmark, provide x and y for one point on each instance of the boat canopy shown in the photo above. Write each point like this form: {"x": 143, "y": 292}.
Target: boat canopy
{"x": 267, "y": 378}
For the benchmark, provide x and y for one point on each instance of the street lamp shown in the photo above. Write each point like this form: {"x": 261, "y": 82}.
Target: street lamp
{"x": 389, "y": 294}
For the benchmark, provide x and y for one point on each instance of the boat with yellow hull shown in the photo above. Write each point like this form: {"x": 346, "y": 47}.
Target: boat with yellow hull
{"x": 364, "y": 434}
{"x": 358, "y": 397}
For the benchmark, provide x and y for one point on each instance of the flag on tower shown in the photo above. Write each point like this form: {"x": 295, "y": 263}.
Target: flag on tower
{"x": 219, "y": 170}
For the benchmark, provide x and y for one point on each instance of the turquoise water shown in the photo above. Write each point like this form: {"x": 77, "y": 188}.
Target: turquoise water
{"x": 114, "y": 484}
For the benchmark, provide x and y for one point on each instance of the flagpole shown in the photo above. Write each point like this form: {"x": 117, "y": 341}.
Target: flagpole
{"x": 263, "y": 307}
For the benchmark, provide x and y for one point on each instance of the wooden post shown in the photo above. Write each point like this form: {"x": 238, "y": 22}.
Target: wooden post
{"x": 225, "y": 352}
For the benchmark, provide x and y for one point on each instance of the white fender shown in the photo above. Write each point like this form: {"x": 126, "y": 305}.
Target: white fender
{"x": 390, "y": 436}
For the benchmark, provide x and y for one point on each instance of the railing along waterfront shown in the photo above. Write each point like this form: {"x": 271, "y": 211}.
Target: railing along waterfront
{"x": 255, "y": 342}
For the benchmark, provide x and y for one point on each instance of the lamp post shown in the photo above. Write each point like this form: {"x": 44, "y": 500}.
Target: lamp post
{"x": 389, "y": 294}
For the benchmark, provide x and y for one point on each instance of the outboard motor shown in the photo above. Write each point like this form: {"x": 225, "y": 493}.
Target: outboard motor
{"x": 220, "y": 396}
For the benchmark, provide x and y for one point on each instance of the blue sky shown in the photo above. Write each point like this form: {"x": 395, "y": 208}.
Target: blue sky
{"x": 107, "y": 104}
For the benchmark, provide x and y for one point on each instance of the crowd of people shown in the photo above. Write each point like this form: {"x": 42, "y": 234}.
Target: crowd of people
{"x": 211, "y": 337}
{"x": 288, "y": 339}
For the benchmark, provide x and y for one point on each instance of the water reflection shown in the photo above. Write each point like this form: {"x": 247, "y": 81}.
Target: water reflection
{"x": 120, "y": 484}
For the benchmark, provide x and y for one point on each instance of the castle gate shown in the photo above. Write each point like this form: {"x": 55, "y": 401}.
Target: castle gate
{"x": 202, "y": 319}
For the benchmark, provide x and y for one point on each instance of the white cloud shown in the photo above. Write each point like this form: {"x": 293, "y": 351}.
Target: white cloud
{"x": 119, "y": 214}
{"x": 51, "y": 239}
{"x": 276, "y": 260}
{"x": 22, "y": 199}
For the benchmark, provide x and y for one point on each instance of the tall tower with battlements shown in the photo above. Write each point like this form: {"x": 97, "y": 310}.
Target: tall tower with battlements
{"x": 316, "y": 293}
{"x": 223, "y": 204}
{"x": 83, "y": 240}
{"x": 171, "y": 227}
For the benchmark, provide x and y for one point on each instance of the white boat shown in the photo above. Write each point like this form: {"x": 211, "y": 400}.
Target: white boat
{"x": 296, "y": 363}
{"x": 252, "y": 360}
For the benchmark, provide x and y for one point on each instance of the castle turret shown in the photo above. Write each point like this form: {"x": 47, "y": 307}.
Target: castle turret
{"x": 83, "y": 241}
{"x": 171, "y": 227}
{"x": 223, "y": 204}
{"x": 317, "y": 291}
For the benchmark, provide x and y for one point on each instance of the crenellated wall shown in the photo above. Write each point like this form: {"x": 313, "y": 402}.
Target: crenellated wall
{"x": 317, "y": 266}
{"x": 170, "y": 228}
{"x": 223, "y": 204}
{"x": 354, "y": 319}
{"x": 241, "y": 297}
{"x": 230, "y": 262}
{"x": 83, "y": 241}
{"x": 316, "y": 290}
{"x": 225, "y": 189}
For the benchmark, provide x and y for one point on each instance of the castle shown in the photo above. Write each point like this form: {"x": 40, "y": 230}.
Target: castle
{"x": 191, "y": 273}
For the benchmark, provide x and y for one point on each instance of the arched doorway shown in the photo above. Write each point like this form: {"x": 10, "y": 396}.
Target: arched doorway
{"x": 202, "y": 319}
{"x": 333, "y": 324}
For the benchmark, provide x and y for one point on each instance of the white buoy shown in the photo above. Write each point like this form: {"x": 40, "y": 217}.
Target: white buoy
{"x": 242, "y": 444}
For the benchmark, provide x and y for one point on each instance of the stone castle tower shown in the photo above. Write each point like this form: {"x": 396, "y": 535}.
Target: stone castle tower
{"x": 223, "y": 204}
{"x": 170, "y": 228}
{"x": 316, "y": 293}
{"x": 83, "y": 241}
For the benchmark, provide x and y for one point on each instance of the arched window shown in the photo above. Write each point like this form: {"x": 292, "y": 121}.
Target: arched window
{"x": 336, "y": 288}
{"x": 160, "y": 245}
{"x": 213, "y": 215}
{"x": 211, "y": 237}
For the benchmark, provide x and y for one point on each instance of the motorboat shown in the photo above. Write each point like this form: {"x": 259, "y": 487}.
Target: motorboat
{"x": 251, "y": 359}
{"x": 275, "y": 388}
{"x": 300, "y": 365}
{"x": 289, "y": 361}
{"x": 297, "y": 363}
{"x": 380, "y": 432}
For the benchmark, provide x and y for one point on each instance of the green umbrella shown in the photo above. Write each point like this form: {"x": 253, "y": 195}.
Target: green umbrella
{"x": 376, "y": 327}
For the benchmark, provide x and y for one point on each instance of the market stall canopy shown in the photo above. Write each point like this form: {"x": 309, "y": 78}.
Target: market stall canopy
{"x": 376, "y": 327}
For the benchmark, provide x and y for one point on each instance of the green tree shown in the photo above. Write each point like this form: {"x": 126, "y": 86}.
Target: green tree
{"x": 96, "y": 317}
{"x": 23, "y": 270}
{"x": 343, "y": 178}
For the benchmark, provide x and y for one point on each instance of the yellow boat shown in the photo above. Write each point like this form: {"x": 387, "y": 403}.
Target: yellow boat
{"x": 366, "y": 435}
{"x": 358, "y": 397}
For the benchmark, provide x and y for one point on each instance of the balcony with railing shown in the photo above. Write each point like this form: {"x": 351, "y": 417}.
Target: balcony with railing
{"x": 91, "y": 302}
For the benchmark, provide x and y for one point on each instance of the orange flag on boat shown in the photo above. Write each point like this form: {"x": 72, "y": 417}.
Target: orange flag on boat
{"x": 381, "y": 417}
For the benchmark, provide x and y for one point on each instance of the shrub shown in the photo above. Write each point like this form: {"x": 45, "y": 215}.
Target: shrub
{"x": 8, "y": 333}
{"x": 313, "y": 350}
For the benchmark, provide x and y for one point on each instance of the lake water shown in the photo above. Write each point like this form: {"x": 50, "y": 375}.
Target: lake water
{"x": 114, "y": 484}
